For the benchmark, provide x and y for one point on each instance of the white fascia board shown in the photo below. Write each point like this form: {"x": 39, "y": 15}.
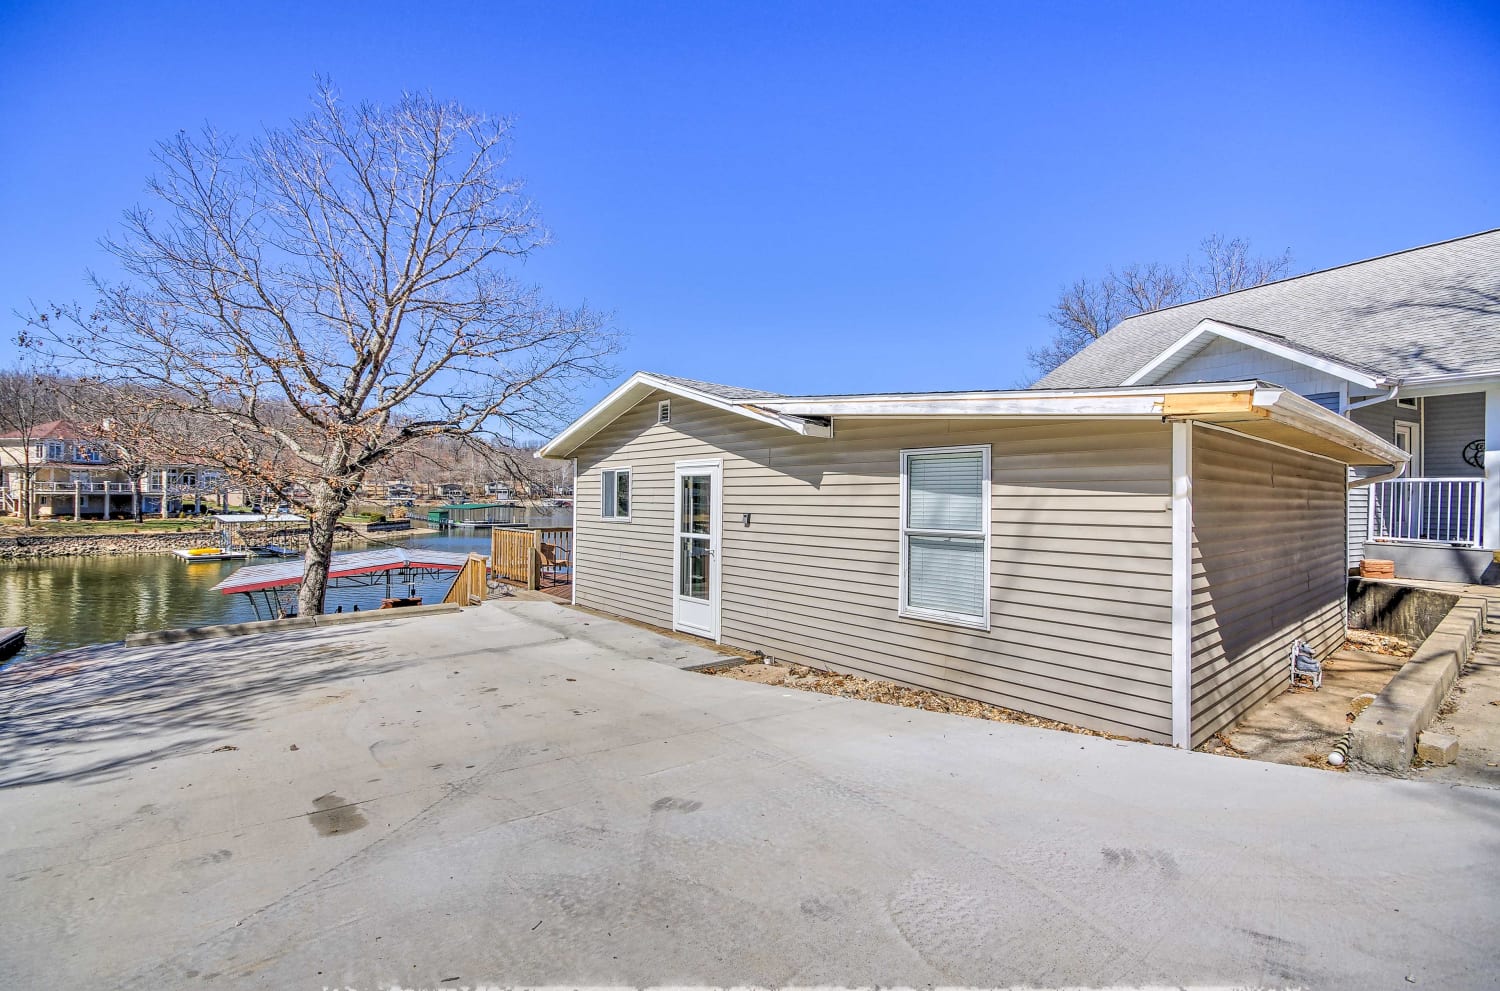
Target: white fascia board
{"x": 642, "y": 384}
{"x": 1445, "y": 385}
{"x": 1137, "y": 401}
{"x": 1195, "y": 340}
{"x": 1285, "y": 406}
{"x": 1090, "y": 406}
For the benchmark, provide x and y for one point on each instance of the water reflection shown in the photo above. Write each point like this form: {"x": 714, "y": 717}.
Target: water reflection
{"x": 69, "y": 602}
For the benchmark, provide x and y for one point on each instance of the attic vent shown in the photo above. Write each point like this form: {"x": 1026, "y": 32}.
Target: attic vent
{"x": 664, "y": 411}
{"x": 1408, "y": 403}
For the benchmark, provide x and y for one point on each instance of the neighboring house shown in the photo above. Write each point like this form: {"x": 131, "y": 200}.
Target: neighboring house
{"x": 1138, "y": 560}
{"x": 1406, "y": 345}
{"x": 73, "y": 474}
{"x": 76, "y": 474}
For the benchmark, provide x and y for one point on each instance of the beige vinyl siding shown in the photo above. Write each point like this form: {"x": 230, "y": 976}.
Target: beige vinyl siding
{"x": 1080, "y": 557}
{"x": 1268, "y": 568}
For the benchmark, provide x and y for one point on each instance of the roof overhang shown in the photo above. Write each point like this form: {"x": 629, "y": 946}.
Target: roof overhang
{"x": 1206, "y": 331}
{"x": 641, "y": 384}
{"x": 1252, "y": 408}
{"x": 288, "y": 574}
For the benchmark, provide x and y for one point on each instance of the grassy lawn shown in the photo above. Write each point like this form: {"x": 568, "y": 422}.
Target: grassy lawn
{"x": 67, "y": 528}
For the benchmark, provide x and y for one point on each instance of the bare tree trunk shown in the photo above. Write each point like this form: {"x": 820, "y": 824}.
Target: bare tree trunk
{"x": 28, "y": 491}
{"x": 329, "y": 504}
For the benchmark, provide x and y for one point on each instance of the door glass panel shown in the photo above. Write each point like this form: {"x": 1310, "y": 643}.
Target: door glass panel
{"x": 693, "y": 568}
{"x": 693, "y": 504}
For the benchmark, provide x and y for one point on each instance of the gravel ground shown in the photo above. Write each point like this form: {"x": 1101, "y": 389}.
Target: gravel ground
{"x": 854, "y": 687}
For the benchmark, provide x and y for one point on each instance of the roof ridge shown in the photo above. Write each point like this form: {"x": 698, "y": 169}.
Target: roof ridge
{"x": 1306, "y": 275}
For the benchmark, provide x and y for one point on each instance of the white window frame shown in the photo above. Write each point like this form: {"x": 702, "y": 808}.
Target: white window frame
{"x": 935, "y": 615}
{"x": 630, "y": 503}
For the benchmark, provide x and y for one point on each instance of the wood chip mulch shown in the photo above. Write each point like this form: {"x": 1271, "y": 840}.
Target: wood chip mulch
{"x": 854, "y": 687}
{"x": 1378, "y": 643}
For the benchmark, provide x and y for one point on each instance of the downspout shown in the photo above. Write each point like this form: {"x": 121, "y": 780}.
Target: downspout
{"x": 1396, "y": 470}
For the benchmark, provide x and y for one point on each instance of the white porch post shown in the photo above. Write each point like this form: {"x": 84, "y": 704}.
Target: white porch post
{"x": 1492, "y": 467}
{"x": 1182, "y": 584}
{"x": 77, "y": 500}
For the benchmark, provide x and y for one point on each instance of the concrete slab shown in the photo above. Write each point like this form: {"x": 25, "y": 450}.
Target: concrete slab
{"x": 1472, "y": 714}
{"x": 516, "y": 795}
{"x": 1301, "y": 726}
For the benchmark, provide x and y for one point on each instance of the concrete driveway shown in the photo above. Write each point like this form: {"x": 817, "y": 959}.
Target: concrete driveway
{"x": 528, "y": 794}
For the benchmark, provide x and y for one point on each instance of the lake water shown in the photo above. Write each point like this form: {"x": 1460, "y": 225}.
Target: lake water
{"x": 70, "y": 602}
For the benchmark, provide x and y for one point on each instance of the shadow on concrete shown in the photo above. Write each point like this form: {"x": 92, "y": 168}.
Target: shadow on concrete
{"x": 98, "y": 712}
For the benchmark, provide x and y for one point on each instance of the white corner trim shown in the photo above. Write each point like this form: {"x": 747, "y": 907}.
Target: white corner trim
{"x": 1193, "y": 341}
{"x": 577, "y": 532}
{"x": 1182, "y": 584}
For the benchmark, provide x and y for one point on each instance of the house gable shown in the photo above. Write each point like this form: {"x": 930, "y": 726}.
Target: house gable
{"x": 1218, "y": 351}
{"x": 1222, "y": 359}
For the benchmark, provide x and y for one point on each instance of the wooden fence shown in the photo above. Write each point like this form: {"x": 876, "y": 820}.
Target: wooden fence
{"x": 517, "y": 556}
{"x": 469, "y": 587}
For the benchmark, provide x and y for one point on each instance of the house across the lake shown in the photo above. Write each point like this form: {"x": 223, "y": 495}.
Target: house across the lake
{"x": 1406, "y": 345}
{"x": 1133, "y": 559}
{"x": 66, "y": 470}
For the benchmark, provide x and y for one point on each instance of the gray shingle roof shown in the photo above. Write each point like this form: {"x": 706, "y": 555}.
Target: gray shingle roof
{"x": 1425, "y": 312}
{"x": 730, "y": 392}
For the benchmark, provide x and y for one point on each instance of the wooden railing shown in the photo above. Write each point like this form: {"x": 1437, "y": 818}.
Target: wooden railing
{"x": 517, "y": 555}
{"x": 469, "y": 587}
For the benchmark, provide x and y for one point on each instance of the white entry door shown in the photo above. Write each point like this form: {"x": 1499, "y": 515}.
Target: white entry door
{"x": 1409, "y": 439}
{"x": 695, "y": 567}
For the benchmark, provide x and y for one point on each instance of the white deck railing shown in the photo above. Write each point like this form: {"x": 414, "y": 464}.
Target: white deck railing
{"x": 1428, "y": 510}
{"x": 82, "y": 488}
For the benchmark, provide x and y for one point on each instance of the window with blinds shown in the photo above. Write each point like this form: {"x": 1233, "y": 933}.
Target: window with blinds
{"x": 614, "y": 497}
{"x": 945, "y": 535}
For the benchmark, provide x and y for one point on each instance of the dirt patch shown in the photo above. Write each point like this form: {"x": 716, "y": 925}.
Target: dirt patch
{"x": 854, "y": 687}
{"x": 1379, "y": 643}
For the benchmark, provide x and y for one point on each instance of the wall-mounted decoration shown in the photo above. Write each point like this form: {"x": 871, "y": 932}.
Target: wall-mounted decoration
{"x": 1474, "y": 453}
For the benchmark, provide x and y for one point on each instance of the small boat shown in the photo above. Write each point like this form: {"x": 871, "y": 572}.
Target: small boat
{"x": 209, "y": 554}
{"x": 12, "y": 639}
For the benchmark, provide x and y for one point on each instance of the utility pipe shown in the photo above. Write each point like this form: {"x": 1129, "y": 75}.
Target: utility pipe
{"x": 1397, "y": 470}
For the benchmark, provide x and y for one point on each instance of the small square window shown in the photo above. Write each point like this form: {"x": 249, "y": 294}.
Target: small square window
{"x": 614, "y": 494}
{"x": 1408, "y": 403}
{"x": 664, "y": 411}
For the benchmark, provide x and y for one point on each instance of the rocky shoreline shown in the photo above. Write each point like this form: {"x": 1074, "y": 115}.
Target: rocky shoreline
{"x": 26, "y": 547}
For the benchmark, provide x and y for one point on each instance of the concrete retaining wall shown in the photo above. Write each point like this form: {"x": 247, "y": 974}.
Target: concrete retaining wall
{"x": 1397, "y": 610}
{"x": 1385, "y": 734}
{"x": 282, "y": 625}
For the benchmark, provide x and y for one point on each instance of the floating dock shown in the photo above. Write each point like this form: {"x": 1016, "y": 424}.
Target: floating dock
{"x": 210, "y": 554}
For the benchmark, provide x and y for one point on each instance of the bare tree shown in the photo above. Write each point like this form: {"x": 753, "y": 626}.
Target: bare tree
{"x": 333, "y": 293}
{"x": 1089, "y": 308}
{"x": 28, "y": 401}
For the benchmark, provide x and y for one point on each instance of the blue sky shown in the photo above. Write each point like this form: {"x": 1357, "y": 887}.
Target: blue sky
{"x": 811, "y": 197}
